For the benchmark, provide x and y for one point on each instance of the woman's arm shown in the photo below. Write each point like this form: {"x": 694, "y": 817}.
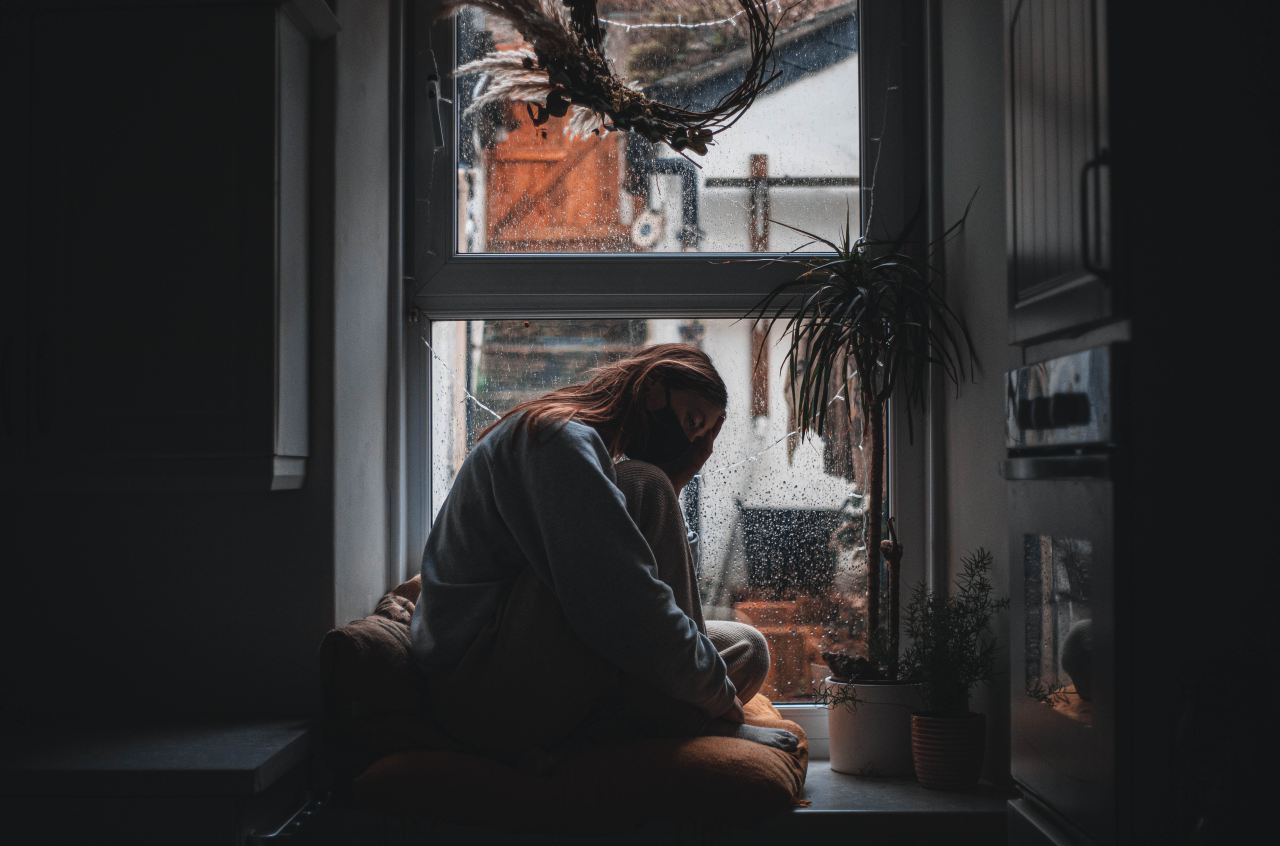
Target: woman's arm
{"x": 571, "y": 522}
{"x": 683, "y": 469}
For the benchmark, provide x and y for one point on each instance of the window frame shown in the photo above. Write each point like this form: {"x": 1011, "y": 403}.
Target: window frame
{"x": 438, "y": 284}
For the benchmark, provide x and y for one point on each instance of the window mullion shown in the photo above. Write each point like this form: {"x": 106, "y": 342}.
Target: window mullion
{"x": 471, "y": 286}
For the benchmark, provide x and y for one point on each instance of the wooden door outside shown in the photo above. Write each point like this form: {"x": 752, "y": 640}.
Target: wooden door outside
{"x": 548, "y": 192}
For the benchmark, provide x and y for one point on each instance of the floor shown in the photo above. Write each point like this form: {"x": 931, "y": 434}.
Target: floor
{"x": 848, "y": 809}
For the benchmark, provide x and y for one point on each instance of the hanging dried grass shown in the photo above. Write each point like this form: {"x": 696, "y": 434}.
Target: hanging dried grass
{"x": 563, "y": 70}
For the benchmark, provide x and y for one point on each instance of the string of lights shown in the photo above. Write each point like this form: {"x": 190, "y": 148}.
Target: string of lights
{"x": 681, "y": 24}
{"x": 453, "y": 378}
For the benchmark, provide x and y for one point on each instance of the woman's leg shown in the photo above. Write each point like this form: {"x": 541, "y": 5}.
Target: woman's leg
{"x": 745, "y": 652}
{"x": 653, "y": 505}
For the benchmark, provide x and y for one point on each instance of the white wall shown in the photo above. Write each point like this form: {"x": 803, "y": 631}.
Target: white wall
{"x": 809, "y": 128}
{"x": 973, "y": 158}
{"x": 361, "y": 252}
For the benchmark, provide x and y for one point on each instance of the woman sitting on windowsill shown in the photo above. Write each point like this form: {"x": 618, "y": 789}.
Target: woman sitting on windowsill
{"x": 559, "y": 604}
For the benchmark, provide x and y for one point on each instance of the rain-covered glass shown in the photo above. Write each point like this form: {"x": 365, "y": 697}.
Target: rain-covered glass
{"x": 792, "y": 158}
{"x": 776, "y": 523}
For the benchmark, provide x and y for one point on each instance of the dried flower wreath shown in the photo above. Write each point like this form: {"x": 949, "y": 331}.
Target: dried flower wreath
{"x": 563, "y": 70}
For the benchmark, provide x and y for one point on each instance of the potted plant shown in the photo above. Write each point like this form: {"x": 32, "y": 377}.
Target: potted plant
{"x": 951, "y": 649}
{"x": 867, "y": 317}
{"x": 869, "y": 706}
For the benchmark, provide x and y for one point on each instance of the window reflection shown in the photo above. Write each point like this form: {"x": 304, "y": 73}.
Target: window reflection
{"x": 1059, "y": 624}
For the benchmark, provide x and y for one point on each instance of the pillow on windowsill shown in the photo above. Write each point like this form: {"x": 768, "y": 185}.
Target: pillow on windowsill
{"x": 606, "y": 787}
{"x": 397, "y": 765}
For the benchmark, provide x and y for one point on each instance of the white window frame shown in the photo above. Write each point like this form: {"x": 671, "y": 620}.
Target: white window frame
{"x": 439, "y": 284}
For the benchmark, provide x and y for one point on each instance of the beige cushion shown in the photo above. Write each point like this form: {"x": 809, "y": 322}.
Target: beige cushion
{"x": 605, "y": 787}
{"x": 400, "y": 765}
{"x": 373, "y": 696}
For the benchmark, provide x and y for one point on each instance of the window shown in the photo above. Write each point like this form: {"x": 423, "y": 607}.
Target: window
{"x": 536, "y": 189}
{"x": 776, "y": 522}
{"x": 533, "y": 258}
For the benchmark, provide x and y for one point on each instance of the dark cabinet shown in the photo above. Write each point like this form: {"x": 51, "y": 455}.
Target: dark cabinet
{"x": 1059, "y": 236}
{"x": 161, "y": 336}
{"x": 1141, "y": 172}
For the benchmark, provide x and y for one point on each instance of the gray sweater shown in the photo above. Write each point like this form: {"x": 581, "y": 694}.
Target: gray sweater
{"x": 550, "y": 501}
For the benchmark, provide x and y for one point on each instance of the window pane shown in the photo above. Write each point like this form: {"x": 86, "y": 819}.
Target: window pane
{"x": 793, "y": 156}
{"x": 776, "y": 522}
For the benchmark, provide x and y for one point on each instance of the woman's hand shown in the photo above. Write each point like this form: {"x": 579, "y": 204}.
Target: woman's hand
{"x": 688, "y": 465}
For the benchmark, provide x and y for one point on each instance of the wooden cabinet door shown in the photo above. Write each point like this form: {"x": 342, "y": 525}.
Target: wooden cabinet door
{"x": 1058, "y": 227}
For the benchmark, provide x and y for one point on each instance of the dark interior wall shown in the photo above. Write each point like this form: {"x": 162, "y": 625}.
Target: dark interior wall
{"x": 972, "y": 156}
{"x": 1198, "y": 178}
{"x": 134, "y": 275}
{"x": 158, "y": 604}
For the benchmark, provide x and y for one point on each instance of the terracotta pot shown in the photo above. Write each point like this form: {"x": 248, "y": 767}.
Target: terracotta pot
{"x": 947, "y": 750}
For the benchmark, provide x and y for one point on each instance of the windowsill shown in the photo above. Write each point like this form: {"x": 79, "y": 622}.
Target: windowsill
{"x": 897, "y": 810}
{"x": 845, "y": 808}
{"x": 182, "y": 757}
{"x": 153, "y": 781}
{"x": 832, "y": 792}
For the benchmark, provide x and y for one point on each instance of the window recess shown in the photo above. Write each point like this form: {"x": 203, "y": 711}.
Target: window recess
{"x": 529, "y": 259}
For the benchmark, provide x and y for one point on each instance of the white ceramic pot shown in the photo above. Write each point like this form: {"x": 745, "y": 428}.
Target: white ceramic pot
{"x": 873, "y": 738}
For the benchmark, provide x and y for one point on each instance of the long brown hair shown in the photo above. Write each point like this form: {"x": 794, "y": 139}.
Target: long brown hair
{"x": 613, "y": 394}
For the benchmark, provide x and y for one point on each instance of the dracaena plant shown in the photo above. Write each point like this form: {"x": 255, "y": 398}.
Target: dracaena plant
{"x": 867, "y": 317}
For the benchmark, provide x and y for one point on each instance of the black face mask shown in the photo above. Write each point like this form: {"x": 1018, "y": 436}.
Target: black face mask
{"x": 664, "y": 440}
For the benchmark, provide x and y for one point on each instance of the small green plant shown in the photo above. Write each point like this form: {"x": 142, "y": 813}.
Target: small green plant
{"x": 834, "y": 697}
{"x": 952, "y": 646}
